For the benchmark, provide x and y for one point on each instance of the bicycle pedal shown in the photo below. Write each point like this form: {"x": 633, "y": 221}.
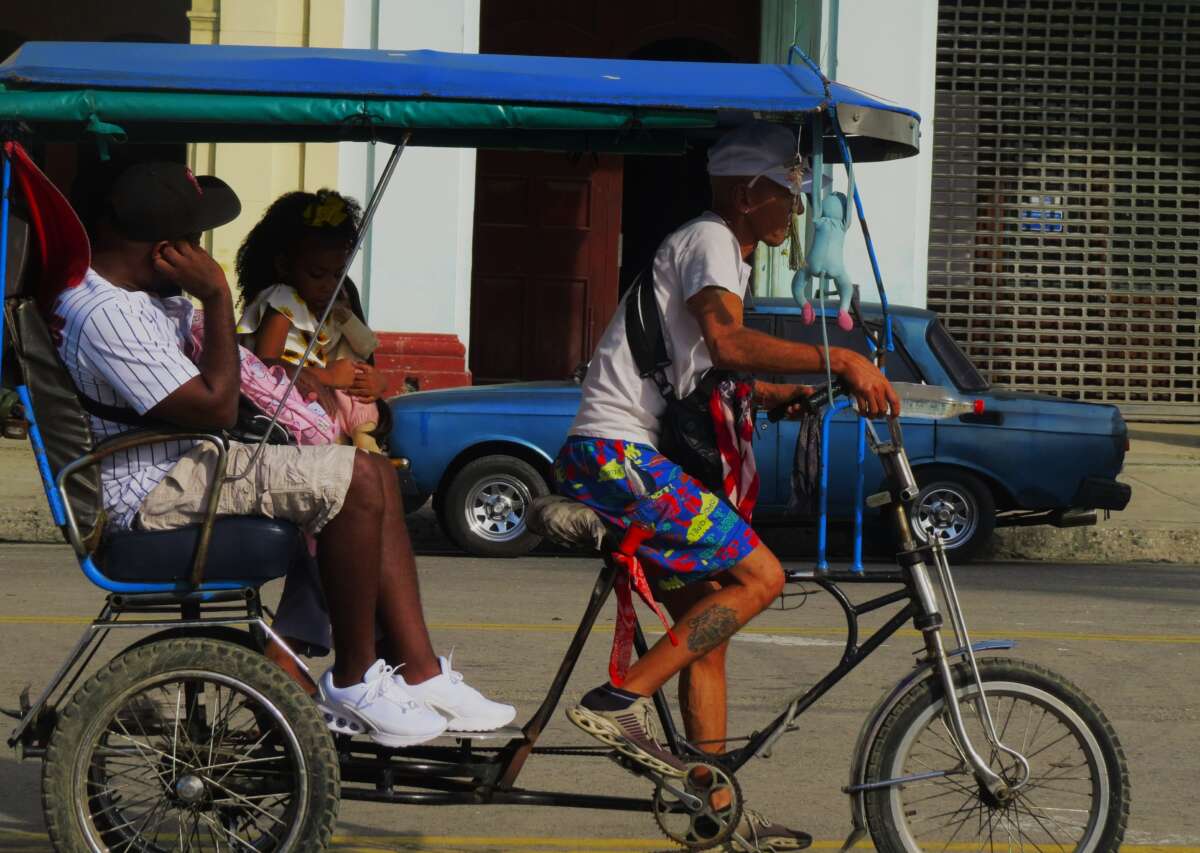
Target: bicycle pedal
{"x": 628, "y": 764}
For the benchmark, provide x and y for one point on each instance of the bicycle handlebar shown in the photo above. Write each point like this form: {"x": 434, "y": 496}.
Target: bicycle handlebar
{"x": 811, "y": 402}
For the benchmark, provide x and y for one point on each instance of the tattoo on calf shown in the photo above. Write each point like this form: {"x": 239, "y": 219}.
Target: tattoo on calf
{"x": 709, "y": 629}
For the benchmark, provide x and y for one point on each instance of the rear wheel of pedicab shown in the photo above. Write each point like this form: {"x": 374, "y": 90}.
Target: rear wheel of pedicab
{"x": 1077, "y": 795}
{"x": 190, "y": 744}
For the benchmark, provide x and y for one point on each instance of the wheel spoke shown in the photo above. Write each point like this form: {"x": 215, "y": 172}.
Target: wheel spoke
{"x": 191, "y": 762}
{"x": 1056, "y": 810}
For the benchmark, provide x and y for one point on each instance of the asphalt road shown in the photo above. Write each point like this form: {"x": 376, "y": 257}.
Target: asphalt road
{"x": 1127, "y": 635}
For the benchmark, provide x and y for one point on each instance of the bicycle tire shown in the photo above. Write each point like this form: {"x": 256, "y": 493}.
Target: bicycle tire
{"x": 897, "y": 815}
{"x": 83, "y": 810}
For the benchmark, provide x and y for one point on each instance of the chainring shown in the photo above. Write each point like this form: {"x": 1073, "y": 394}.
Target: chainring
{"x": 704, "y": 827}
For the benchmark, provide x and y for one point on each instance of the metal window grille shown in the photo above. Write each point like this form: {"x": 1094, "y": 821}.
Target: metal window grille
{"x": 1065, "y": 222}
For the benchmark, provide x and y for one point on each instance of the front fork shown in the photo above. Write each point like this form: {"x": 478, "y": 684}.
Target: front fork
{"x": 929, "y": 620}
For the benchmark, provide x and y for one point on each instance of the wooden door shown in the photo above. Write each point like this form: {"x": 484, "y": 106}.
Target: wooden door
{"x": 544, "y": 272}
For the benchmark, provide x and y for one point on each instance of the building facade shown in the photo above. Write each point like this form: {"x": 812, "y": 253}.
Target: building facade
{"x": 1051, "y": 217}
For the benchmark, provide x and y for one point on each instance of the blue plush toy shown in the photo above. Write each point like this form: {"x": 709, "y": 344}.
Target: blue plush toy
{"x": 825, "y": 259}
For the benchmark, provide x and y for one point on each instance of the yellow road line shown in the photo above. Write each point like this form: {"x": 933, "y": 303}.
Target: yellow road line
{"x": 566, "y": 627}
{"x": 596, "y": 845}
{"x": 29, "y": 842}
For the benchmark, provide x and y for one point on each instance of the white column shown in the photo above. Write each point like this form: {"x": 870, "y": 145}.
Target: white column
{"x": 888, "y": 49}
{"x": 418, "y": 278}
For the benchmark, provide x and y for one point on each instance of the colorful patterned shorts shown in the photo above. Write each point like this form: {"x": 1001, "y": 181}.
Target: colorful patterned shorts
{"x": 696, "y": 534}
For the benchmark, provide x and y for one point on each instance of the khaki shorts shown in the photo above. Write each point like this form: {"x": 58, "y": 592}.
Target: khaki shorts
{"x": 304, "y": 485}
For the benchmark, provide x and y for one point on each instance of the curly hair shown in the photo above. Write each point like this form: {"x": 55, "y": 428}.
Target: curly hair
{"x": 294, "y": 219}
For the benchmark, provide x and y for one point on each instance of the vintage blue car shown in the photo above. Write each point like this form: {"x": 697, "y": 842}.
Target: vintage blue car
{"x": 485, "y": 452}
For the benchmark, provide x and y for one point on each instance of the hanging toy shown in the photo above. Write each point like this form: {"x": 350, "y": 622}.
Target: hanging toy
{"x": 825, "y": 259}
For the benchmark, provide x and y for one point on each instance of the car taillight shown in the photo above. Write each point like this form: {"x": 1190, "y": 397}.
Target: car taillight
{"x": 979, "y": 407}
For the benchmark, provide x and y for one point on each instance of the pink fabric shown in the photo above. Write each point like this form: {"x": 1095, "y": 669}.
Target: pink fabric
{"x": 264, "y": 387}
{"x": 353, "y": 413}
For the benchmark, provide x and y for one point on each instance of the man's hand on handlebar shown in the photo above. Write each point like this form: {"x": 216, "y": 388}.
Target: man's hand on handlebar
{"x": 783, "y": 401}
{"x": 868, "y": 387}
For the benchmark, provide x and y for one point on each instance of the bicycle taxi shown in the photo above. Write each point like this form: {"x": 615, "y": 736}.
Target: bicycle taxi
{"x": 191, "y": 738}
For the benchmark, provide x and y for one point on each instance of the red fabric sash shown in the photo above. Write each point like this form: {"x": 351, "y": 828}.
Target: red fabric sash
{"x": 732, "y": 408}
{"x": 630, "y": 577}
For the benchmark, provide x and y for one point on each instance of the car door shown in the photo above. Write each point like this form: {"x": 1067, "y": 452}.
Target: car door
{"x": 843, "y": 433}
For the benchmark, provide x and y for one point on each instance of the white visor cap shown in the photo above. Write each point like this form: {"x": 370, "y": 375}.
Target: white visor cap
{"x": 761, "y": 149}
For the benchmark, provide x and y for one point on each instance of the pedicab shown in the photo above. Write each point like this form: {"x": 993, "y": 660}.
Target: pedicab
{"x": 190, "y": 738}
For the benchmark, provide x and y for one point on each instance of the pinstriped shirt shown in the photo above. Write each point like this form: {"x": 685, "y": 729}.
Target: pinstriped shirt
{"x": 125, "y": 348}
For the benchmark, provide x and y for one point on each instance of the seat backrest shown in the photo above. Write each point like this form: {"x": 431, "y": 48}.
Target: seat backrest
{"x": 37, "y": 267}
{"x": 63, "y": 424}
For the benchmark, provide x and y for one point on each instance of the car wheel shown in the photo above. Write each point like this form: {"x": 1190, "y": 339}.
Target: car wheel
{"x": 487, "y": 506}
{"x": 956, "y": 507}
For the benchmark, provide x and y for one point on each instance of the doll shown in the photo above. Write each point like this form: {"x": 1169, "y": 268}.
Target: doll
{"x": 825, "y": 259}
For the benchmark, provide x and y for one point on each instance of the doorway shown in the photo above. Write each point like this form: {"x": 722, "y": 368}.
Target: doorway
{"x": 557, "y": 236}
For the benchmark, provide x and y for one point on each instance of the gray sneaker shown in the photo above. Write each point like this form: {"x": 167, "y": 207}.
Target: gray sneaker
{"x": 631, "y": 731}
{"x": 759, "y": 834}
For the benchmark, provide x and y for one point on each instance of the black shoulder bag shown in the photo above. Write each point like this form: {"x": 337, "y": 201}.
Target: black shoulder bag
{"x": 688, "y": 436}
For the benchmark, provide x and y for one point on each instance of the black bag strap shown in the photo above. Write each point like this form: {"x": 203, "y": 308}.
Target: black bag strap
{"x": 643, "y": 332}
{"x": 120, "y": 414}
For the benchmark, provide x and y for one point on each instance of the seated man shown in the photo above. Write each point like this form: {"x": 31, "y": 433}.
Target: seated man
{"x": 124, "y": 336}
{"x": 712, "y": 572}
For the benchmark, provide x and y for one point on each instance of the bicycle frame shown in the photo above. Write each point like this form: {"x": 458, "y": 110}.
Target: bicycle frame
{"x": 452, "y": 775}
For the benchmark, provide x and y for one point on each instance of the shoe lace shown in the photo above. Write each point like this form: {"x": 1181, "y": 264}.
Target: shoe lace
{"x": 382, "y": 685}
{"x": 756, "y": 819}
{"x": 455, "y": 677}
{"x": 648, "y": 719}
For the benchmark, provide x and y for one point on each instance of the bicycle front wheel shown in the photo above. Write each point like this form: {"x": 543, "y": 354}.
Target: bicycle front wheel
{"x": 1077, "y": 794}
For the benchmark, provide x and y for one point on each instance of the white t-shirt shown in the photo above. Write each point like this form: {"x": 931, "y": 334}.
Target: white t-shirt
{"x": 617, "y": 403}
{"x": 126, "y": 348}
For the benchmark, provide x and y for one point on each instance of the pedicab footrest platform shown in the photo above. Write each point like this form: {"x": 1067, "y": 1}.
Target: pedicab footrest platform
{"x": 502, "y": 733}
{"x": 254, "y": 550}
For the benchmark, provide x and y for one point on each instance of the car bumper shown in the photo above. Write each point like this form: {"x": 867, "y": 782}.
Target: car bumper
{"x": 1102, "y": 493}
{"x": 404, "y": 475}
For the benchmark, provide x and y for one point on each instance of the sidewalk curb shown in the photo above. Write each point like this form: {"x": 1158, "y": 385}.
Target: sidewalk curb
{"x": 28, "y": 524}
{"x": 1095, "y": 545}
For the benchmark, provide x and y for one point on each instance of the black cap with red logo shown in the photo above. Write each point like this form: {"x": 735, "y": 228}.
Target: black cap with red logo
{"x": 165, "y": 201}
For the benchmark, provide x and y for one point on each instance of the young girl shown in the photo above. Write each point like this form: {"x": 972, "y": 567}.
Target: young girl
{"x": 288, "y": 267}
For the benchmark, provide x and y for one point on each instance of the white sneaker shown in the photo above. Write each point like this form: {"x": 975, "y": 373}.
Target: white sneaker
{"x": 460, "y": 703}
{"x": 379, "y": 707}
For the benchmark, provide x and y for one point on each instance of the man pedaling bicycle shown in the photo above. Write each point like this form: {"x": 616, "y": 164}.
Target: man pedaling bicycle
{"x": 706, "y": 564}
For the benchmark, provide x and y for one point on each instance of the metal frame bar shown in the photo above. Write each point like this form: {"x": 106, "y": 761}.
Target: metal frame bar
{"x": 447, "y": 776}
{"x": 364, "y": 229}
{"x": 124, "y": 441}
{"x": 853, "y": 654}
{"x": 95, "y": 634}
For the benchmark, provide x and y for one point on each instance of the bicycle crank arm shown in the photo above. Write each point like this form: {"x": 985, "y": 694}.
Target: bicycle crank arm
{"x": 694, "y": 804}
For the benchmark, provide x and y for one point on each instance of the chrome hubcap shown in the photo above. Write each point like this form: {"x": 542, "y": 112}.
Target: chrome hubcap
{"x": 496, "y": 508}
{"x": 947, "y": 513}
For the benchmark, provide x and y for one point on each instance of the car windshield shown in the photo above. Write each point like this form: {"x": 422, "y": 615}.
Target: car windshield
{"x": 962, "y": 372}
